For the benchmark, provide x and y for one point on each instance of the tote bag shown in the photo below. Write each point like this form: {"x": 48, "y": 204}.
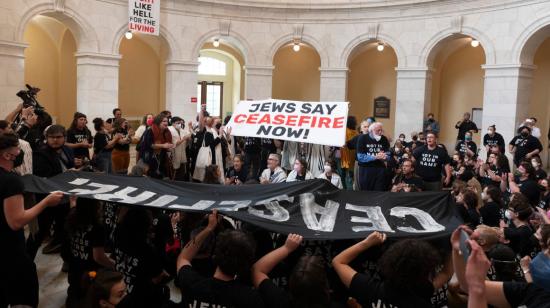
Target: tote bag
{"x": 204, "y": 158}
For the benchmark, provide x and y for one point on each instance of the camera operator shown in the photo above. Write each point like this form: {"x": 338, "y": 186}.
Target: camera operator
{"x": 406, "y": 180}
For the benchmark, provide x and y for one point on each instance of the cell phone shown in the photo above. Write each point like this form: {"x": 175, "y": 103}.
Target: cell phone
{"x": 465, "y": 248}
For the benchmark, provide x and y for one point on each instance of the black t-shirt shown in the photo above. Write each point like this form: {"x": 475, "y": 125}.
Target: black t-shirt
{"x": 371, "y": 291}
{"x": 139, "y": 265}
{"x": 275, "y": 297}
{"x": 540, "y": 174}
{"x": 81, "y": 244}
{"x": 486, "y": 180}
{"x": 252, "y": 145}
{"x": 199, "y": 291}
{"x": 13, "y": 242}
{"x": 544, "y": 202}
{"x": 463, "y": 145}
{"x": 528, "y": 295}
{"x": 520, "y": 239}
{"x": 524, "y": 146}
{"x": 464, "y": 127}
{"x": 429, "y": 164}
{"x": 77, "y": 136}
{"x": 365, "y": 145}
{"x": 413, "y": 180}
{"x": 101, "y": 140}
{"x": 530, "y": 189}
{"x": 496, "y": 139}
{"x": 491, "y": 214}
{"x": 241, "y": 174}
{"x": 470, "y": 217}
{"x": 118, "y": 146}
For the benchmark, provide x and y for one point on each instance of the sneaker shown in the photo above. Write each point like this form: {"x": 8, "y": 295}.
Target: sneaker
{"x": 51, "y": 248}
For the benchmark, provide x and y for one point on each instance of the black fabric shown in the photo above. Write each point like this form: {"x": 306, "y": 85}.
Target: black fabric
{"x": 429, "y": 164}
{"x": 277, "y": 207}
{"x": 544, "y": 202}
{"x": 77, "y": 136}
{"x": 19, "y": 282}
{"x": 463, "y": 145}
{"x": 528, "y": 295}
{"x": 199, "y": 291}
{"x": 496, "y": 139}
{"x": 464, "y": 127}
{"x": 47, "y": 162}
{"x": 470, "y": 217}
{"x": 491, "y": 214}
{"x": 520, "y": 239}
{"x": 241, "y": 175}
{"x": 124, "y": 133}
{"x": 372, "y": 291}
{"x": 540, "y": 174}
{"x": 524, "y": 146}
{"x": 101, "y": 140}
{"x": 531, "y": 190}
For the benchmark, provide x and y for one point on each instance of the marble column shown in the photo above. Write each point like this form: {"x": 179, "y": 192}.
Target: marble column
{"x": 12, "y": 74}
{"x": 181, "y": 86}
{"x": 97, "y": 83}
{"x": 258, "y": 82}
{"x": 333, "y": 84}
{"x": 506, "y": 96}
{"x": 412, "y": 99}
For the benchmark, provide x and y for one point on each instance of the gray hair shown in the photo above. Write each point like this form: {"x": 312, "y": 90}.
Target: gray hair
{"x": 374, "y": 125}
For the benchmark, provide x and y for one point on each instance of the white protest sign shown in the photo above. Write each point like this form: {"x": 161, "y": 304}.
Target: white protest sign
{"x": 144, "y": 16}
{"x": 309, "y": 122}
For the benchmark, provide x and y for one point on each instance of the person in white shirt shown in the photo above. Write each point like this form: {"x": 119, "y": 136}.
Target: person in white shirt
{"x": 274, "y": 173}
{"x": 330, "y": 174}
{"x": 180, "y": 137}
{"x": 300, "y": 172}
{"x": 145, "y": 123}
{"x": 531, "y": 122}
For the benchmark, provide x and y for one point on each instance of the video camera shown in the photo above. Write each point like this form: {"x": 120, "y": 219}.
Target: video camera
{"x": 29, "y": 99}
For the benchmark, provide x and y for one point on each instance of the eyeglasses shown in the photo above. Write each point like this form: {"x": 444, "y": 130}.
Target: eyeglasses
{"x": 56, "y": 137}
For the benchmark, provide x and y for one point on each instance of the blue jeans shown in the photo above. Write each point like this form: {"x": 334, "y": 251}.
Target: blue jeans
{"x": 103, "y": 162}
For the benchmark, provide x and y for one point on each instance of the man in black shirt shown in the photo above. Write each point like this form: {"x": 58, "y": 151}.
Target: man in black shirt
{"x": 524, "y": 146}
{"x": 430, "y": 161}
{"x": 407, "y": 181}
{"x": 233, "y": 255}
{"x": 465, "y": 125}
{"x": 372, "y": 152}
{"x": 19, "y": 282}
{"x": 467, "y": 147}
{"x": 492, "y": 138}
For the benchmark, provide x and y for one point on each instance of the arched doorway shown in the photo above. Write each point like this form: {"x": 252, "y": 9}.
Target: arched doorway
{"x": 372, "y": 75}
{"x": 296, "y": 75}
{"x": 457, "y": 85}
{"x": 51, "y": 66}
{"x": 142, "y": 75}
{"x": 221, "y": 78}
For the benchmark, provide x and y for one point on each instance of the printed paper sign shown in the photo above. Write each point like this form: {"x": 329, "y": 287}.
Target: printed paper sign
{"x": 309, "y": 122}
{"x": 144, "y": 16}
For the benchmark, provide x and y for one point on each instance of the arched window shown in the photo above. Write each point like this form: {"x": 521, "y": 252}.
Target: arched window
{"x": 211, "y": 66}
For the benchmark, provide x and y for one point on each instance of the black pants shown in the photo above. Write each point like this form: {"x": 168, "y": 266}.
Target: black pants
{"x": 252, "y": 163}
{"x": 52, "y": 215}
{"x": 18, "y": 281}
{"x": 371, "y": 178}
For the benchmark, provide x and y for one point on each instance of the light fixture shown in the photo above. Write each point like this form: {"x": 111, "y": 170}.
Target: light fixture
{"x": 380, "y": 47}
{"x": 216, "y": 43}
{"x": 474, "y": 43}
{"x": 296, "y": 46}
{"x": 128, "y": 35}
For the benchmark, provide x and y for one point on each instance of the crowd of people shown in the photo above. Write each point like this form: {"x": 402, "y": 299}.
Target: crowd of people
{"x": 121, "y": 256}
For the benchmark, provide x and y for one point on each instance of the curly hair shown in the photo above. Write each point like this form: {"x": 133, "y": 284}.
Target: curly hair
{"x": 409, "y": 263}
{"x": 234, "y": 252}
{"x": 309, "y": 284}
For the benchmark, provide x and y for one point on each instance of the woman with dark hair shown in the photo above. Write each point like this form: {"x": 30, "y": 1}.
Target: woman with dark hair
{"x": 524, "y": 181}
{"x": 146, "y": 122}
{"x": 540, "y": 174}
{"x": 86, "y": 241}
{"x": 492, "y": 173}
{"x": 330, "y": 174}
{"x": 518, "y": 231}
{"x": 103, "y": 146}
{"x": 300, "y": 171}
{"x": 121, "y": 151}
{"x": 493, "y": 205}
{"x": 155, "y": 148}
{"x": 104, "y": 289}
{"x": 308, "y": 286}
{"x": 138, "y": 260}
{"x": 406, "y": 273}
{"x": 212, "y": 175}
{"x": 545, "y": 195}
{"x": 79, "y": 137}
{"x": 467, "y": 202}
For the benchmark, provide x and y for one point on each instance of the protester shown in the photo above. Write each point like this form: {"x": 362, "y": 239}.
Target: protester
{"x": 467, "y": 147}
{"x": 117, "y": 114}
{"x": 105, "y": 289}
{"x": 180, "y": 139}
{"x": 531, "y": 123}
{"x": 524, "y": 146}
{"x": 331, "y": 175}
{"x": 79, "y": 137}
{"x": 155, "y": 148}
{"x": 103, "y": 146}
{"x": 430, "y": 162}
{"x": 492, "y": 138}
{"x": 300, "y": 171}
{"x": 492, "y": 174}
{"x": 524, "y": 181}
{"x": 465, "y": 125}
{"x": 146, "y": 122}
{"x": 347, "y": 155}
{"x": 233, "y": 255}
{"x": 274, "y": 173}
{"x": 431, "y": 125}
{"x": 518, "y": 231}
{"x": 19, "y": 283}
{"x": 121, "y": 151}
{"x": 540, "y": 174}
{"x": 236, "y": 175}
{"x": 539, "y": 268}
{"x": 493, "y": 206}
{"x": 407, "y": 180}
{"x": 544, "y": 203}
{"x": 203, "y": 138}
{"x": 24, "y": 159}
{"x": 466, "y": 205}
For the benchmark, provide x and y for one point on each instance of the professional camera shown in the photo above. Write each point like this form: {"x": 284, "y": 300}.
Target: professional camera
{"x": 29, "y": 99}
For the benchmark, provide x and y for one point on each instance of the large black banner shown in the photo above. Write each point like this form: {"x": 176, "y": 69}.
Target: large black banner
{"x": 314, "y": 209}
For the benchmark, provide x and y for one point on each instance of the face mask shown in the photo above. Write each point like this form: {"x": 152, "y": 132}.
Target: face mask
{"x": 414, "y": 138}
{"x": 524, "y": 134}
{"x": 327, "y": 168}
{"x": 483, "y": 196}
{"x": 402, "y": 139}
{"x": 18, "y": 161}
{"x": 218, "y": 125}
{"x": 468, "y": 138}
{"x": 149, "y": 122}
{"x": 490, "y": 132}
{"x": 177, "y": 125}
{"x": 377, "y": 137}
{"x": 431, "y": 120}
{"x": 508, "y": 214}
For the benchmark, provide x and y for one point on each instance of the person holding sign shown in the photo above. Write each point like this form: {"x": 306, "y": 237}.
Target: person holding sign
{"x": 372, "y": 151}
